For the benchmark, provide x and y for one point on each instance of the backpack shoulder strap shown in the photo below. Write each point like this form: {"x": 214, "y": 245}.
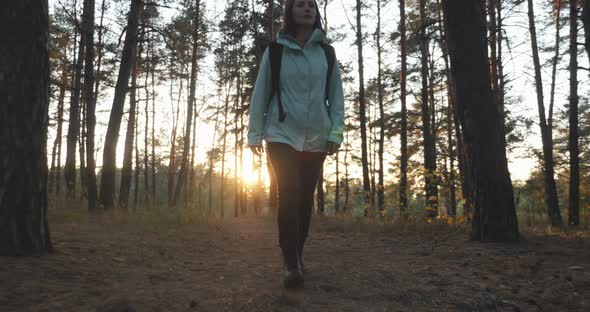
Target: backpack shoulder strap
{"x": 275, "y": 51}
{"x": 331, "y": 59}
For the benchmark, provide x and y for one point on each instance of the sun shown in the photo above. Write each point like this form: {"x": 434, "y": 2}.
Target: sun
{"x": 252, "y": 174}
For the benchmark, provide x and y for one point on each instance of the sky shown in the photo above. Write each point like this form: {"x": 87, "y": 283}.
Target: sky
{"x": 518, "y": 65}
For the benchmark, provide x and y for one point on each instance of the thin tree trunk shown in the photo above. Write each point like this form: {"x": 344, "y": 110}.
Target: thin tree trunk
{"x": 24, "y": 228}
{"x": 190, "y": 103}
{"x": 56, "y": 152}
{"x": 320, "y": 193}
{"x": 223, "y": 150}
{"x": 500, "y": 62}
{"x": 550, "y": 187}
{"x": 90, "y": 100}
{"x": 346, "y": 176}
{"x": 107, "y": 182}
{"x": 130, "y": 136}
{"x": 172, "y": 162}
{"x": 337, "y": 186}
{"x": 586, "y": 23}
{"x": 495, "y": 214}
{"x": 191, "y": 181}
{"x": 574, "y": 151}
{"x": 380, "y": 187}
{"x": 430, "y": 177}
{"x": 146, "y": 157}
{"x": 554, "y": 65}
{"x": 137, "y": 161}
{"x": 452, "y": 209}
{"x": 362, "y": 114}
{"x": 403, "y": 188}
{"x": 493, "y": 55}
{"x": 74, "y": 122}
{"x": 153, "y": 134}
{"x": 82, "y": 145}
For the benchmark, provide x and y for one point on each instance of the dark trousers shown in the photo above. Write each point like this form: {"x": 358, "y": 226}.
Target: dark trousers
{"x": 296, "y": 176}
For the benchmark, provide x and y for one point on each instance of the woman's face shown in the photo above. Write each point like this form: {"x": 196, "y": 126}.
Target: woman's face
{"x": 304, "y": 12}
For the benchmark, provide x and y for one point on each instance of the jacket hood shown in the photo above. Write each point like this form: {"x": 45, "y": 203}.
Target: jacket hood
{"x": 317, "y": 36}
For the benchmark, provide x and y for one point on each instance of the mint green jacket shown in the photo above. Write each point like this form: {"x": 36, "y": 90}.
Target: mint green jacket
{"x": 310, "y": 121}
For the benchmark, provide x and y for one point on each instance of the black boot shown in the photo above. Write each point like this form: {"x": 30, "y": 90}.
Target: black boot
{"x": 293, "y": 275}
{"x": 301, "y": 262}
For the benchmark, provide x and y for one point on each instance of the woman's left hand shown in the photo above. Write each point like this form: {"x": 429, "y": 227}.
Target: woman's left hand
{"x": 333, "y": 147}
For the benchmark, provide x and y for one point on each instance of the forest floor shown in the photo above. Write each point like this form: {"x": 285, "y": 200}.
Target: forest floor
{"x": 116, "y": 263}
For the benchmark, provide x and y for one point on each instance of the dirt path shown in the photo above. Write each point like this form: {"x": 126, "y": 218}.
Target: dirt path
{"x": 235, "y": 266}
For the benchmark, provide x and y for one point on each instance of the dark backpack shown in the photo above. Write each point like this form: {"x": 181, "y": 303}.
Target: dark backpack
{"x": 276, "y": 56}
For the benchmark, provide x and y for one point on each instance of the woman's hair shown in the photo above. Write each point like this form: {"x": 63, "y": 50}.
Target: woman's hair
{"x": 288, "y": 24}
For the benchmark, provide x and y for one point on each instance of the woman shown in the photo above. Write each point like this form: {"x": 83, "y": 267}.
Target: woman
{"x": 311, "y": 124}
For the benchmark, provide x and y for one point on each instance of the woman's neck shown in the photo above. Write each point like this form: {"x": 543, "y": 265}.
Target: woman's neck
{"x": 302, "y": 34}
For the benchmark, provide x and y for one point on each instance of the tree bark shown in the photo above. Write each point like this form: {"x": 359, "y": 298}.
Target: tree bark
{"x": 191, "y": 100}
{"x": 24, "y": 96}
{"x": 90, "y": 100}
{"x": 362, "y": 114}
{"x": 403, "y": 188}
{"x": 548, "y": 173}
{"x": 320, "y": 194}
{"x": 495, "y": 214}
{"x": 430, "y": 175}
{"x": 125, "y": 186}
{"x": 107, "y": 182}
{"x": 74, "y": 122}
{"x": 586, "y": 23}
{"x": 573, "y": 147}
{"x": 54, "y": 175}
{"x": 380, "y": 187}
{"x": 172, "y": 161}
{"x": 452, "y": 209}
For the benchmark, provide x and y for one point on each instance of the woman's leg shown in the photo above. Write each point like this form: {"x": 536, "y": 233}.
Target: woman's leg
{"x": 284, "y": 163}
{"x": 310, "y": 166}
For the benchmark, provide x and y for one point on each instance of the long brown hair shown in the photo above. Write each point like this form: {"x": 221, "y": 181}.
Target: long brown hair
{"x": 288, "y": 23}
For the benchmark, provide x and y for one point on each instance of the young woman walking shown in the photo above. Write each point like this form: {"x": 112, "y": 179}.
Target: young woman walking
{"x": 298, "y": 109}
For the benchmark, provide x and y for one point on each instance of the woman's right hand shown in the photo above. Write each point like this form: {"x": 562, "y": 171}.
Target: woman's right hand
{"x": 256, "y": 149}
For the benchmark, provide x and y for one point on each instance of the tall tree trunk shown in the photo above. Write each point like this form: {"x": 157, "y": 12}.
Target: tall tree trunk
{"x": 380, "y": 187}
{"x": 153, "y": 134}
{"x": 223, "y": 150}
{"x": 129, "y": 136}
{"x": 320, "y": 194}
{"x": 550, "y": 187}
{"x": 82, "y": 145}
{"x": 74, "y": 122}
{"x": 56, "y": 152}
{"x": 271, "y": 20}
{"x": 362, "y": 114}
{"x": 191, "y": 179}
{"x": 586, "y": 23}
{"x": 243, "y": 186}
{"x": 452, "y": 209}
{"x": 430, "y": 176}
{"x": 107, "y": 182}
{"x": 493, "y": 55}
{"x": 346, "y": 176}
{"x": 137, "y": 161}
{"x": 337, "y": 186}
{"x": 403, "y": 184}
{"x": 212, "y": 157}
{"x": 90, "y": 100}
{"x": 499, "y": 61}
{"x": 24, "y": 65}
{"x": 172, "y": 162}
{"x": 146, "y": 127}
{"x": 495, "y": 214}
{"x": 574, "y": 151}
{"x": 190, "y": 103}
{"x": 554, "y": 65}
